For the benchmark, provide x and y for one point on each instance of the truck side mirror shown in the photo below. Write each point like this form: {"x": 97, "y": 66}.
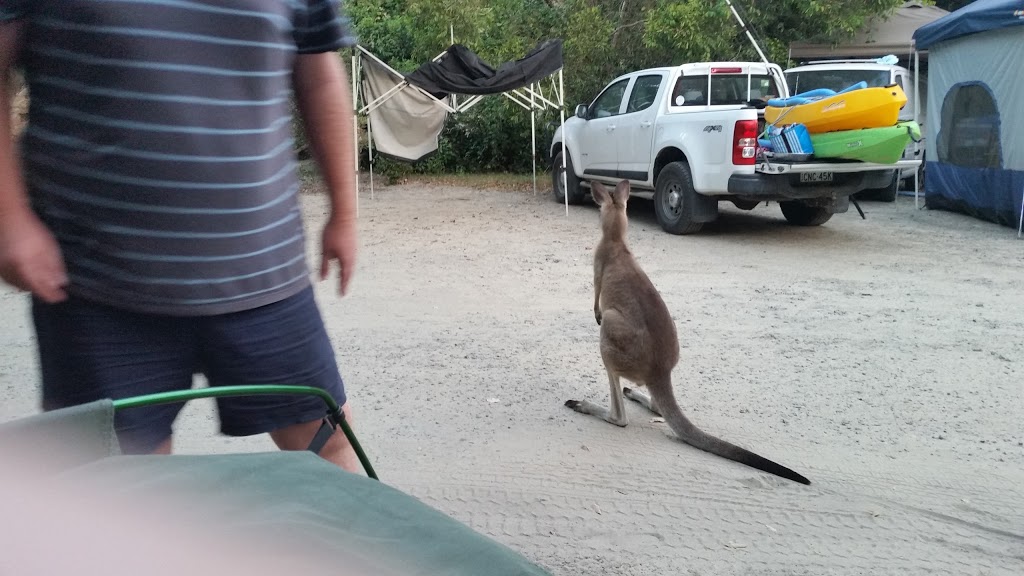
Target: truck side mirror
{"x": 581, "y": 111}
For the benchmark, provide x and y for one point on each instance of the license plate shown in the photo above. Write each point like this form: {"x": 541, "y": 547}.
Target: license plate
{"x": 815, "y": 177}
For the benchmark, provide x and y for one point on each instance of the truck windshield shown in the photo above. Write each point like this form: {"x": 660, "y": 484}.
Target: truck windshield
{"x": 725, "y": 89}
{"x": 837, "y": 80}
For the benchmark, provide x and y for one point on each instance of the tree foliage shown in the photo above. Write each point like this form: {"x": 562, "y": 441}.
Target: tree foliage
{"x": 601, "y": 39}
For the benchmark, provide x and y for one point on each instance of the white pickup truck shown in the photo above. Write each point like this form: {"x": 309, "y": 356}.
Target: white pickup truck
{"x": 686, "y": 137}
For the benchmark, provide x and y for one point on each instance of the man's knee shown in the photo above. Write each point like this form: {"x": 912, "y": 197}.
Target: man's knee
{"x": 337, "y": 450}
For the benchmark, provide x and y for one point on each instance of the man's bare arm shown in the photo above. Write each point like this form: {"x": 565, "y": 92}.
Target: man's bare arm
{"x": 325, "y": 104}
{"x": 30, "y": 257}
{"x": 12, "y": 189}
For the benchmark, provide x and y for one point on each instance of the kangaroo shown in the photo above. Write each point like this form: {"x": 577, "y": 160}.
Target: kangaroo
{"x": 639, "y": 342}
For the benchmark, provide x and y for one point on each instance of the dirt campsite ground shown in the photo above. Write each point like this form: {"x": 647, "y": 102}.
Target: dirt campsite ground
{"x": 882, "y": 358}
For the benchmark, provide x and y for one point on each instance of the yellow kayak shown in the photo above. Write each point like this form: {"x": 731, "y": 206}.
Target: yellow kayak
{"x": 848, "y": 110}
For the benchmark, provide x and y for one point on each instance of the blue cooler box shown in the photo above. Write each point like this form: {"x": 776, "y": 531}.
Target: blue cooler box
{"x": 792, "y": 139}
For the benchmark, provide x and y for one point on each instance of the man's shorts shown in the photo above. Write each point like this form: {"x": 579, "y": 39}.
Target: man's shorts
{"x": 89, "y": 352}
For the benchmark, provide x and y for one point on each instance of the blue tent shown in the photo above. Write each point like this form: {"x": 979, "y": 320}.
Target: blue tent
{"x": 978, "y": 16}
{"x": 975, "y": 152}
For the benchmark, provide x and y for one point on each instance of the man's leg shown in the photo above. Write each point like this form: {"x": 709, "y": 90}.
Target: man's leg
{"x": 281, "y": 343}
{"x": 90, "y": 352}
{"x": 337, "y": 450}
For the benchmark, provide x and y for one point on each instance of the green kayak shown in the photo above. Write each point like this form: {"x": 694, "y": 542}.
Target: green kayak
{"x": 881, "y": 145}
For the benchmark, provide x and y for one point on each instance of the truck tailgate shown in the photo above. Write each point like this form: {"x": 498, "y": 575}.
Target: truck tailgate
{"x": 789, "y": 167}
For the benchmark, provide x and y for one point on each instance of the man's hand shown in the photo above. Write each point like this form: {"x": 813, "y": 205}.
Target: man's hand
{"x": 339, "y": 243}
{"x": 30, "y": 257}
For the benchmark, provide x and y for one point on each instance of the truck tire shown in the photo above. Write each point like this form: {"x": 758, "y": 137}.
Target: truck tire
{"x": 674, "y": 199}
{"x": 800, "y": 214}
{"x": 572, "y": 184}
{"x": 890, "y": 192}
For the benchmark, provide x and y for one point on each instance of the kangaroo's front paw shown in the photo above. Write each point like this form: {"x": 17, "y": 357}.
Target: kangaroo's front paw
{"x": 597, "y": 316}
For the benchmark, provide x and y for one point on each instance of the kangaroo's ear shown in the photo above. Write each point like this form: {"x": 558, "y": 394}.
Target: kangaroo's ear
{"x": 600, "y": 193}
{"x": 621, "y": 193}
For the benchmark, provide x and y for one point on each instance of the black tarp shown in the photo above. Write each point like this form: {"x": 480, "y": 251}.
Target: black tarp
{"x": 461, "y": 71}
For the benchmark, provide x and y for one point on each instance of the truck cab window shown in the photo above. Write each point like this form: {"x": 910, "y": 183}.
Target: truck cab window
{"x": 835, "y": 80}
{"x": 607, "y": 104}
{"x": 645, "y": 90}
{"x": 692, "y": 90}
{"x": 726, "y": 89}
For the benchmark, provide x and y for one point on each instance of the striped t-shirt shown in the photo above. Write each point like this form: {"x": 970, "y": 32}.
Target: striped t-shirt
{"x": 159, "y": 145}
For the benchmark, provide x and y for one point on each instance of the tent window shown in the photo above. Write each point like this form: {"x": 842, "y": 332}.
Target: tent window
{"x": 969, "y": 134}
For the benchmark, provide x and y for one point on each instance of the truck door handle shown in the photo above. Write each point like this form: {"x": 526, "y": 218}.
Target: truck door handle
{"x": 610, "y": 128}
{"x": 645, "y": 124}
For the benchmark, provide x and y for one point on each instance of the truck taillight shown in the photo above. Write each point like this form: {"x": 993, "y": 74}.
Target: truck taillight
{"x": 744, "y": 139}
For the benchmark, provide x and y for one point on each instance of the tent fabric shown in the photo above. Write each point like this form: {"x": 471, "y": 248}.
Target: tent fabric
{"x": 67, "y": 438}
{"x": 985, "y": 60}
{"x": 978, "y": 16}
{"x": 984, "y": 193}
{"x": 296, "y": 499}
{"x": 408, "y": 124}
{"x": 975, "y": 160}
{"x": 460, "y": 71}
{"x": 891, "y": 35}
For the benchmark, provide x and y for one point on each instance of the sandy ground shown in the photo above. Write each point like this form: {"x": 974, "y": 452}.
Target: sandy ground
{"x": 882, "y": 358}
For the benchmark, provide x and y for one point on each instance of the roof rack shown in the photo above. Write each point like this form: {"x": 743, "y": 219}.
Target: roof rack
{"x": 846, "y": 61}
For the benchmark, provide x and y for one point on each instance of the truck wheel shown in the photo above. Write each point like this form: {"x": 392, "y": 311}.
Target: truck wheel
{"x": 576, "y": 193}
{"x": 674, "y": 199}
{"x": 890, "y": 192}
{"x": 800, "y": 214}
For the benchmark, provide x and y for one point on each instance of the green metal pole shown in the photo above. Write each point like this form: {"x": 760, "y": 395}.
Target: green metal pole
{"x": 221, "y": 391}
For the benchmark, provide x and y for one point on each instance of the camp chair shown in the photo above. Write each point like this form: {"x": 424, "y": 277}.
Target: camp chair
{"x": 356, "y": 517}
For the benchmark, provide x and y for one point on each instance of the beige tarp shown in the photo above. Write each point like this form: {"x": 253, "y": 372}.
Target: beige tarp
{"x": 893, "y": 35}
{"x": 406, "y": 125}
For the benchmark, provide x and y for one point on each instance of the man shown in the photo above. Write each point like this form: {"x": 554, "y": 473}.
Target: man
{"x": 152, "y": 212}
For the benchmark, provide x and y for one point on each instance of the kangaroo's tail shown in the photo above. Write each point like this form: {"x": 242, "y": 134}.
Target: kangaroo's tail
{"x": 689, "y": 433}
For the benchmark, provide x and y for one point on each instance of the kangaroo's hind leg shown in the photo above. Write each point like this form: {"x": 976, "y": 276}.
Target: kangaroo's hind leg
{"x": 616, "y": 414}
{"x": 616, "y": 338}
{"x": 641, "y": 398}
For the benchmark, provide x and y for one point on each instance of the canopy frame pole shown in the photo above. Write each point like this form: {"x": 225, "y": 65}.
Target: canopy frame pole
{"x": 1020, "y": 223}
{"x": 355, "y": 122}
{"x": 561, "y": 113}
{"x": 917, "y": 116}
{"x": 533, "y": 137}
